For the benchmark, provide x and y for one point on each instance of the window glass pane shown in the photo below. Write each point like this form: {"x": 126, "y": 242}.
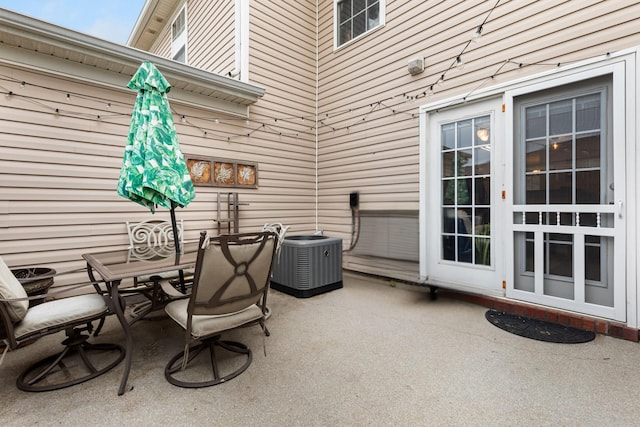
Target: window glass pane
{"x": 588, "y": 112}
{"x": 482, "y": 161}
{"x": 464, "y": 134}
{"x": 344, "y": 10}
{"x": 178, "y": 25}
{"x": 560, "y": 153}
{"x": 359, "y": 24}
{"x": 345, "y": 32}
{"x": 588, "y": 150}
{"x": 359, "y": 6}
{"x": 536, "y": 156}
{"x": 373, "y": 16}
{"x": 536, "y": 122}
{"x": 588, "y": 187}
{"x": 560, "y": 117}
{"x": 560, "y": 188}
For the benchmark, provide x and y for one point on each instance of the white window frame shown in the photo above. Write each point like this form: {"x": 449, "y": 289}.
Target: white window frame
{"x": 336, "y": 24}
{"x": 179, "y": 42}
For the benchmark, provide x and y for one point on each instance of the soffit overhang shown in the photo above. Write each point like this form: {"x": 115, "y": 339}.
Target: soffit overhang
{"x": 152, "y": 20}
{"x": 42, "y": 46}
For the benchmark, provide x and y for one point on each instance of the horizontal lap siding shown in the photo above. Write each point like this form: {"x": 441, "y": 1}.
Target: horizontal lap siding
{"x": 282, "y": 60}
{"x": 58, "y": 170}
{"x": 211, "y": 35}
{"x": 369, "y": 138}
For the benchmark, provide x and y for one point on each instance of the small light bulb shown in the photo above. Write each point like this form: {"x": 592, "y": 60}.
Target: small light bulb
{"x": 477, "y": 34}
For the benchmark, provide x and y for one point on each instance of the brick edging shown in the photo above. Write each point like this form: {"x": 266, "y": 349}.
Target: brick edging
{"x": 600, "y": 326}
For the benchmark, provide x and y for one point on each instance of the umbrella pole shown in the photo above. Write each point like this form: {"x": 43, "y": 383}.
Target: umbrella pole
{"x": 176, "y": 241}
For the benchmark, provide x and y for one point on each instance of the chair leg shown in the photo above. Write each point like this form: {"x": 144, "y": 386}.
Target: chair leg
{"x": 72, "y": 366}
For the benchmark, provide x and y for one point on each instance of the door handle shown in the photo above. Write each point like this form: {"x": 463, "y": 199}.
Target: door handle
{"x": 619, "y": 208}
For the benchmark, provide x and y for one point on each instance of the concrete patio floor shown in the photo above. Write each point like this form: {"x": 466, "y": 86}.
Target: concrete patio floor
{"x": 368, "y": 354}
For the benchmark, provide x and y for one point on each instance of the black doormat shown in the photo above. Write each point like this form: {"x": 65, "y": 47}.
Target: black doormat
{"x": 538, "y": 329}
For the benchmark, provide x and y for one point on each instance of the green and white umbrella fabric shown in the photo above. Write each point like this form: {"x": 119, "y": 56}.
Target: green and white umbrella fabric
{"x": 153, "y": 168}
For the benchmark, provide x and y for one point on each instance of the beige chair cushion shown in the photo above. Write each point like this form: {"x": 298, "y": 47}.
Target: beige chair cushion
{"x": 61, "y": 312}
{"x": 11, "y": 288}
{"x": 207, "y": 325}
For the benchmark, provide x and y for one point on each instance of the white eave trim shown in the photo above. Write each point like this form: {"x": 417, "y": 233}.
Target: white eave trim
{"x": 233, "y": 96}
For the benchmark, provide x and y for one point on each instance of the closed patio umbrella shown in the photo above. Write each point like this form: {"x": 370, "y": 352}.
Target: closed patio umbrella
{"x": 153, "y": 171}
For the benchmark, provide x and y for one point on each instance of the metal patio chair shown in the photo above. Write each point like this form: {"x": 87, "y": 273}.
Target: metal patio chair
{"x": 147, "y": 239}
{"x": 230, "y": 288}
{"x": 80, "y": 360}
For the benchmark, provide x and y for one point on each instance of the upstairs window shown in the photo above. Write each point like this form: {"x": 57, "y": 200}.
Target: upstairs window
{"x": 179, "y": 37}
{"x": 353, "y": 18}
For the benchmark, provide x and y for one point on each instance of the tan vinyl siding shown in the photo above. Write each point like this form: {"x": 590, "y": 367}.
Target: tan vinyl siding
{"x": 373, "y": 148}
{"x": 212, "y": 30}
{"x": 59, "y": 171}
{"x": 282, "y": 58}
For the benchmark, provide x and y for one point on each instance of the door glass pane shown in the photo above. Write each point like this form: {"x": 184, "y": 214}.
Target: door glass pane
{"x": 560, "y": 153}
{"x": 536, "y": 156}
{"x": 482, "y": 191}
{"x": 465, "y": 161}
{"x": 448, "y": 136}
{"x": 560, "y": 259}
{"x": 592, "y": 261}
{"x": 588, "y": 187}
{"x": 536, "y": 121}
{"x": 464, "y": 134}
{"x": 466, "y": 190}
{"x": 536, "y": 189}
{"x": 560, "y": 117}
{"x": 588, "y": 112}
{"x": 560, "y": 187}
{"x": 482, "y": 161}
{"x": 588, "y": 150}
{"x": 449, "y": 164}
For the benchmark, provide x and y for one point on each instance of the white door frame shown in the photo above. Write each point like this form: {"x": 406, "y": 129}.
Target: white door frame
{"x": 618, "y": 232}
{"x": 463, "y": 276}
{"x": 631, "y": 78}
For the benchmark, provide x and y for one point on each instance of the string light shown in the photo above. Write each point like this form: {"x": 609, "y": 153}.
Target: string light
{"x": 477, "y": 34}
{"x": 459, "y": 63}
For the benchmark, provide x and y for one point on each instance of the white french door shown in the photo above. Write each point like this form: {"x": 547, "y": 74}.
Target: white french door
{"x": 567, "y": 220}
{"x": 464, "y": 213}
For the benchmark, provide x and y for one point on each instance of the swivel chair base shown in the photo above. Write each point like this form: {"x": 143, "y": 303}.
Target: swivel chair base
{"x": 80, "y": 361}
{"x": 231, "y": 348}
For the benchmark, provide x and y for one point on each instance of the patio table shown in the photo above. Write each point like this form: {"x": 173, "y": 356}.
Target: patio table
{"x": 115, "y": 266}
